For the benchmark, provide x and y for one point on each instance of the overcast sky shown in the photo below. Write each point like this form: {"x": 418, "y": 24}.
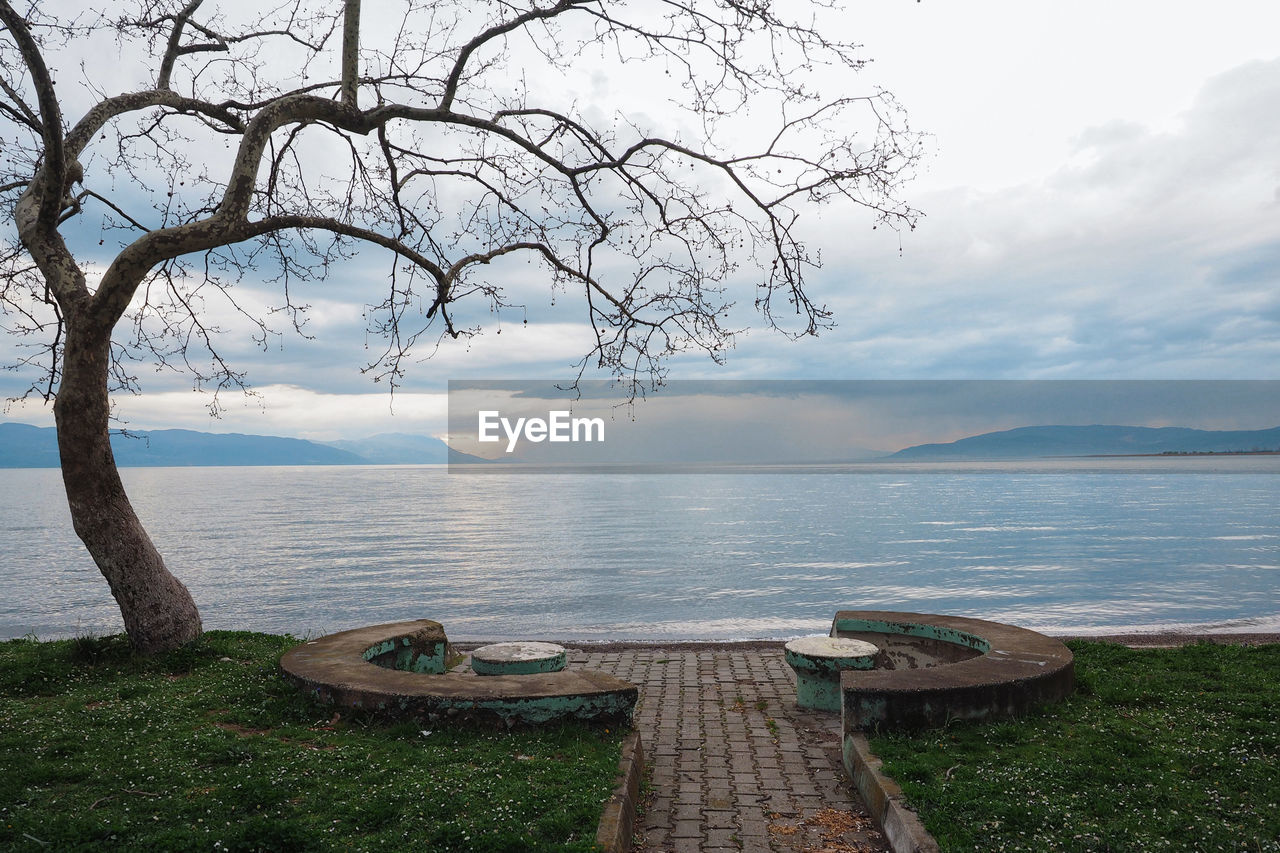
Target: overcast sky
{"x": 1101, "y": 200}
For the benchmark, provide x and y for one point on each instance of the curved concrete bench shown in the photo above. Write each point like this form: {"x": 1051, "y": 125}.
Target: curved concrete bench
{"x": 956, "y": 668}
{"x": 400, "y": 669}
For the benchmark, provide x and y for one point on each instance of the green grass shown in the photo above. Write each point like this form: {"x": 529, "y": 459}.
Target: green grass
{"x": 1167, "y": 749}
{"x": 209, "y": 749}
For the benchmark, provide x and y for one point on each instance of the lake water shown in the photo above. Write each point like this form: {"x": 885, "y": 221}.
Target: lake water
{"x": 1084, "y": 546}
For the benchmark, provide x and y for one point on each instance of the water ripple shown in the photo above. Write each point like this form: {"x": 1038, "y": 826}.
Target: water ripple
{"x": 308, "y": 550}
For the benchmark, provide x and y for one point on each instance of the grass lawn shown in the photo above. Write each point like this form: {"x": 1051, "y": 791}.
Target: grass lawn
{"x": 208, "y": 748}
{"x": 1159, "y": 749}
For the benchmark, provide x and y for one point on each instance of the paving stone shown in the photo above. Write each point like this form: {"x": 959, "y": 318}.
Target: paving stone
{"x": 721, "y": 838}
{"x": 721, "y": 775}
{"x": 688, "y": 796}
{"x": 717, "y": 791}
{"x": 687, "y": 811}
{"x": 770, "y": 777}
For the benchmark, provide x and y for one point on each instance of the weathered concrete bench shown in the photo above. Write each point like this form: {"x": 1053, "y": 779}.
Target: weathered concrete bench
{"x": 402, "y": 670}
{"x": 940, "y": 668}
{"x": 818, "y": 662}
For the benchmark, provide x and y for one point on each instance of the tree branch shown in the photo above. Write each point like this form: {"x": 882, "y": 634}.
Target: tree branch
{"x": 20, "y": 112}
{"x": 449, "y": 172}
{"x": 175, "y": 49}
{"x": 48, "y": 184}
{"x": 88, "y": 193}
{"x": 350, "y": 53}
{"x": 464, "y": 55}
{"x": 111, "y": 108}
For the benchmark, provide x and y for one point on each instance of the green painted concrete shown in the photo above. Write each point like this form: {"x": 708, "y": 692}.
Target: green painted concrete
{"x": 518, "y": 658}
{"x": 818, "y": 661}
{"x": 424, "y": 650}
{"x": 926, "y": 631}
{"x": 545, "y": 709}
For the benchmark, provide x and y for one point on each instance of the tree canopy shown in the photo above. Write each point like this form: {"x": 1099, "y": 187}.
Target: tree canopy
{"x": 273, "y": 144}
{"x": 159, "y": 153}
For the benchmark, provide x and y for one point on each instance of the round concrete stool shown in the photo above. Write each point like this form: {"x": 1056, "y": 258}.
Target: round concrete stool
{"x": 517, "y": 658}
{"x": 818, "y": 661}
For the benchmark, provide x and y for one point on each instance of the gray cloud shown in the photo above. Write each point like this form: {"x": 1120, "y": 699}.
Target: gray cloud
{"x": 1149, "y": 254}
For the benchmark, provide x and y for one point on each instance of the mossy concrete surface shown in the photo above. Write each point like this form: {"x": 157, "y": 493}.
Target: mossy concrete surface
{"x": 883, "y": 798}
{"x": 616, "y": 829}
{"x": 424, "y": 650}
{"x": 334, "y": 669}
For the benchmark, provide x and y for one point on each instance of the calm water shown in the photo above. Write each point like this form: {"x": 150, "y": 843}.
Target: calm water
{"x": 1087, "y": 546}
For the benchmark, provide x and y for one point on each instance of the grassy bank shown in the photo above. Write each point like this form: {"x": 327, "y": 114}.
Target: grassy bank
{"x": 1164, "y": 749}
{"x": 208, "y": 748}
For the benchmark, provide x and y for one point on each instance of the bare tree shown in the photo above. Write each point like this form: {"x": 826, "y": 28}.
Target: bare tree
{"x": 437, "y": 143}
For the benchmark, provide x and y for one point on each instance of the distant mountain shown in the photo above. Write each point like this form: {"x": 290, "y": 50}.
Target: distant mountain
{"x": 24, "y": 446}
{"x": 1040, "y": 441}
{"x": 395, "y": 448}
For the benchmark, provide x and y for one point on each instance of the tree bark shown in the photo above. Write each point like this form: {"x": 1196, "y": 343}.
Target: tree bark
{"x": 159, "y": 613}
{"x": 350, "y": 53}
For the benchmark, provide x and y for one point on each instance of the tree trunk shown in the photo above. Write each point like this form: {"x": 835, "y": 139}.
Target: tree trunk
{"x": 159, "y": 613}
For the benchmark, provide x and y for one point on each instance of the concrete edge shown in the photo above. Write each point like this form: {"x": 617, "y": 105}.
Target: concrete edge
{"x": 334, "y": 669}
{"x": 618, "y": 821}
{"x": 884, "y": 799}
{"x": 1017, "y": 668}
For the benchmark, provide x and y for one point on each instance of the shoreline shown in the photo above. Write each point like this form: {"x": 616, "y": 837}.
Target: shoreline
{"x": 1135, "y": 639}
{"x": 1160, "y": 640}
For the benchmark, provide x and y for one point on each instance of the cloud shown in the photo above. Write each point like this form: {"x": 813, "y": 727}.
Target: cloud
{"x": 1147, "y": 254}
{"x": 293, "y": 411}
{"x": 286, "y": 410}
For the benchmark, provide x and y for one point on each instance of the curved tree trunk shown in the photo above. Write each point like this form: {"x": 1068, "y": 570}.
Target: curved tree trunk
{"x": 159, "y": 613}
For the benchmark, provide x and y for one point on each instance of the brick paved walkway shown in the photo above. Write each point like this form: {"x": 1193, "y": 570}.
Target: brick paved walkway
{"x": 734, "y": 765}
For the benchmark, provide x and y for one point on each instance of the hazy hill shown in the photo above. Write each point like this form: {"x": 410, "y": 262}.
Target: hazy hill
{"x": 395, "y": 448}
{"x": 24, "y": 446}
{"x": 1040, "y": 441}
